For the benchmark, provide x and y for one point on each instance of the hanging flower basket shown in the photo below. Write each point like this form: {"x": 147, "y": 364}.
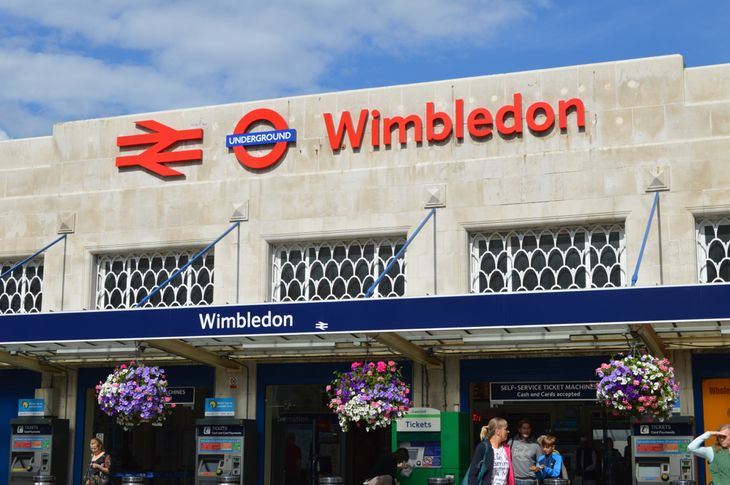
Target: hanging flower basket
{"x": 370, "y": 395}
{"x": 135, "y": 394}
{"x": 638, "y": 387}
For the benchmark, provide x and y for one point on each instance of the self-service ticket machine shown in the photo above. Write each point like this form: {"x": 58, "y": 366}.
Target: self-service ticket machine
{"x": 38, "y": 446}
{"x": 659, "y": 451}
{"x": 437, "y": 442}
{"x": 225, "y": 447}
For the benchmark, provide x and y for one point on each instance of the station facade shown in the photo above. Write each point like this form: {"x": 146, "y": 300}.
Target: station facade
{"x": 552, "y": 219}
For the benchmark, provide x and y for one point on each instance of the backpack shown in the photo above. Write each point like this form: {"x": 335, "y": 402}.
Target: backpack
{"x": 482, "y": 469}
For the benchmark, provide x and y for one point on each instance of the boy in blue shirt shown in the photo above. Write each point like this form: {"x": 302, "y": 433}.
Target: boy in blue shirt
{"x": 550, "y": 464}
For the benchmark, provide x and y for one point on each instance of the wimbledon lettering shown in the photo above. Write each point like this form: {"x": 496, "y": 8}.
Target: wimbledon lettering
{"x": 539, "y": 117}
{"x": 216, "y": 321}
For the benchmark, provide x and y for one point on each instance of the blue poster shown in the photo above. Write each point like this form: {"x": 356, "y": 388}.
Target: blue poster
{"x": 31, "y": 407}
{"x": 220, "y": 406}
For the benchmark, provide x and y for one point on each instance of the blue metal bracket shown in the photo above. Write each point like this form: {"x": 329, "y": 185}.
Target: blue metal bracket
{"x": 30, "y": 257}
{"x": 144, "y": 300}
{"x": 643, "y": 243}
{"x": 372, "y": 288}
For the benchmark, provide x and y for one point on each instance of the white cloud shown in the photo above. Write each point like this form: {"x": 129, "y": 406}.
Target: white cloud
{"x": 177, "y": 54}
{"x": 3, "y": 136}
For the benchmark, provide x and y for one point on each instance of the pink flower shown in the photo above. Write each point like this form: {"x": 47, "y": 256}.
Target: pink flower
{"x": 392, "y": 369}
{"x": 122, "y": 366}
{"x": 342, "y": 406}
{"x": 370, "y": 372}
{"x": 628, "y": 407}
{"x": 167, "y": 399}
{"x": 339, "y": 392}
{"x": 390, "y": 362}
{"x": 407, "y": 390}
{"x": 173, "y": 405}
{"x": 371, "y": 364}
{"x": 636, "y": 383}
{"x": 328, "y": 388}
{"x": 355, "y": 365}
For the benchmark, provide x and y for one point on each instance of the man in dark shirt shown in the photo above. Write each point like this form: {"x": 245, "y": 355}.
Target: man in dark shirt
{"x": 292, "y": 461}
{"x": 383, "y": 473}
{"x": 586, "y": 463}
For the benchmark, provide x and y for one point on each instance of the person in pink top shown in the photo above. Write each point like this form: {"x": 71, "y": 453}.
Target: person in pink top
{"x": 496, "y": 455}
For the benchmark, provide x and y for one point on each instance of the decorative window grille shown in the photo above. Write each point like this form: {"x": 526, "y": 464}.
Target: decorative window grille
{"x": 22, "y": 290}
{"x": 337, "y": 271}
{"x": 713, "y": 252}
{"x": 551, "y": 259}
{"x": 124, "y": 280}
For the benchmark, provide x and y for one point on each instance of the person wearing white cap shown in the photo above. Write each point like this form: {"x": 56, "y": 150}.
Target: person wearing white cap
{"x": 586, "y": 463}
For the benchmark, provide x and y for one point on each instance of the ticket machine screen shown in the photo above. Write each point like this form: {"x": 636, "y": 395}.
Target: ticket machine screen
{"x": 648, "y": 471}
{"x": 209, "y": 466}
{"x": 21, "y": 463}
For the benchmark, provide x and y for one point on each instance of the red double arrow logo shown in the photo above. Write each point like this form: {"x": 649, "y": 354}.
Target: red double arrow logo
{"x": 162, "y": 139}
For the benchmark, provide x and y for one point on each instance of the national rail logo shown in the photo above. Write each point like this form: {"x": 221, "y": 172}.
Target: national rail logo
{"x": 280, "y": 138}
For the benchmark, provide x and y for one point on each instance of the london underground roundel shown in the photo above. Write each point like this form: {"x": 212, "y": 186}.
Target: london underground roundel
{"x": 280, "y": 138}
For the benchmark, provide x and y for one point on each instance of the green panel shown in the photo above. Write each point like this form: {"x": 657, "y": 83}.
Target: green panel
{"x": 455, "y": 456}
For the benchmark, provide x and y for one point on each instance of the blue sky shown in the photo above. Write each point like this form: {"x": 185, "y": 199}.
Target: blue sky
{"x": 81, "y": 59}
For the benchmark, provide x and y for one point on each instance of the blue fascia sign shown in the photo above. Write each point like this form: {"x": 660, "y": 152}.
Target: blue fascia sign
{"x": 650, "y": 304}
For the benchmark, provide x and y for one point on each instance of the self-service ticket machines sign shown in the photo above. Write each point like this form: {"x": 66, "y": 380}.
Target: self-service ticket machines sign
{"x": 38, "y": 446}
{"x": 225, "y": 447}
{"x": 659, "y": 451}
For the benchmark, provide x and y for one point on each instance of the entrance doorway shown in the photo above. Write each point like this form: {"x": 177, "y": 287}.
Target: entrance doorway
{"x": 300, "y": 427}
{"x": 568, "y": 421}
{"x": 166, "y": 454}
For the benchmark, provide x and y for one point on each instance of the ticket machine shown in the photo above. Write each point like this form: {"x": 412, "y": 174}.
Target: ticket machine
{"x": 225, "y": 447}
{"x": 437, "y": 443}
{"x": 659, "y": 451}
{"x": 38, "y": 446}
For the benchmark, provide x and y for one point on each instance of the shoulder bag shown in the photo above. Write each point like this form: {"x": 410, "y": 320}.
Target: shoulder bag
{"x": 482, "y": 469}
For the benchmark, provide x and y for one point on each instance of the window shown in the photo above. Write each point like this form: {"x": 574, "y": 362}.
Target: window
{"x": 22, "y": 290}
{"x": 337, "y": 271}
{"x": 551, "y": 259}
{"x": 124, "y": 280}
{"x": 713, "y": 258}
